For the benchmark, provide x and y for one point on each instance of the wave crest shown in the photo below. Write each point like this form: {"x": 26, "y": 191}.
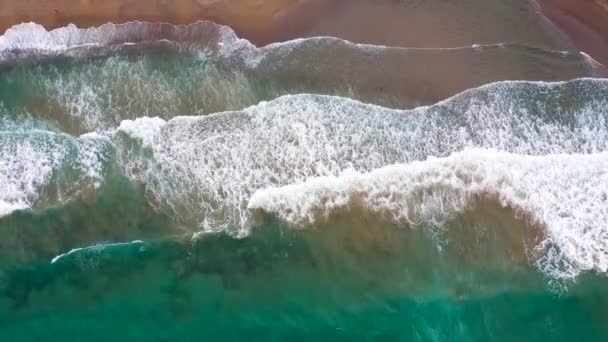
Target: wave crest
{"x": 213, "y": 164}
{"x": 564, "y": 194}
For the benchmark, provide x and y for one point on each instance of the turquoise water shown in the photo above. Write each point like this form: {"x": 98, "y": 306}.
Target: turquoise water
{"x": 212, "y": 190}
{"x": 279, "y": 284}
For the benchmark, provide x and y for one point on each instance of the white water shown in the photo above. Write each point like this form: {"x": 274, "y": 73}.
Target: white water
{"x": 33, "y": 161}
{"x": 205, "y": 169}
{"x": 566, "y": 194}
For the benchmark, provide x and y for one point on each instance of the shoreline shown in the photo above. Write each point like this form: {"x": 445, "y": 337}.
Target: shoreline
{"x": 248, "y": 17}
{"x": 584, "y": 22}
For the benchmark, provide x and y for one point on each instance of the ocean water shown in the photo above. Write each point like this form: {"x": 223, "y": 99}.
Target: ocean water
{"x": 178, "y": 183}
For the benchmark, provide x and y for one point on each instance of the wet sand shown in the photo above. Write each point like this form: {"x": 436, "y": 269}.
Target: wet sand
{"x": 423, "y": 24}
{"x": 415, "y": 23}
{"x": 584, "y": 21}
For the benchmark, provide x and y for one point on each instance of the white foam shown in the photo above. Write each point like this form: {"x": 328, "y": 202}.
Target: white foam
{"x": 96, "y": 248}
{"x": 144, "y": 129}
{"x": 592, "y": 61}
{"x": 33, "y": 160}
{"x": 205, "y": 169}
{"x": 204, "y": 35}
{"x": 6, "y": 207}
{"x": 93, "y": 153}
{"x": 34, "y": 36}
{"x": 566, "y": 194}
{"x": 24, "y": 169}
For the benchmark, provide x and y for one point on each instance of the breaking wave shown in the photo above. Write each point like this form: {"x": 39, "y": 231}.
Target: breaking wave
{"x": 203, "y": 167}
{"x": 41, "y": 168}
{"x": 563, "y": 194}
{"x": 155, "y": 110}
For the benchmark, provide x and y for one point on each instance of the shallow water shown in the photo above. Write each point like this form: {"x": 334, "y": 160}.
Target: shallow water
{"x": 166, "y": 182}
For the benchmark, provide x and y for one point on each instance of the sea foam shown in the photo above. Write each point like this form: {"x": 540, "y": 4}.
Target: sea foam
{"x": 34, "y": 161}
{"x": 204, "y": 169}
{"x": 565, "y": 194}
